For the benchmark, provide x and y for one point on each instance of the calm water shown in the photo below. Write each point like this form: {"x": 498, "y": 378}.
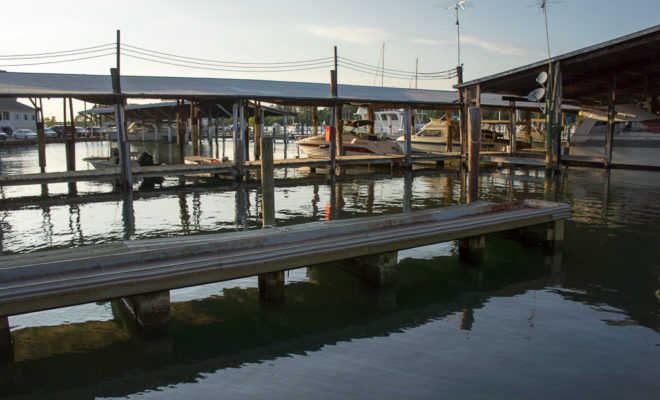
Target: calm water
{"x": 580, "y": 324}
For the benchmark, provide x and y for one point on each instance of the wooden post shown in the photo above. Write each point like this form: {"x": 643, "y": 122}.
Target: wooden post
{"x": 181, "y": 133}
{"x": 267, "y": 181}
{"x": 474, "y": 132}
{"x": 235, "y": 132}
{"x": 246, "y": 132}
{"x": 194, "y": 133}
{"x": 549, "y": 114}
{"x": 407, "y": 136}
{"x": 257, "y": 131}
{"x": 41, "y": 136}
{"x": 169, "y": 131}
{"x": 122, "y": 144}
{"x": 333, "y": 144}
{"x": 286, "y": 137}
{"x": 371, "y": 116}
{"x": 315, "y": 121}
{"x": 512, "y": 127}
{"x": 450, "y": 132}
{"x": 70, "y": 140}
{"x": 340, "y": 132}
{"x": 271, "y": 284}
{"x": 609, "y": 135}
{"x": 556, "y": 118}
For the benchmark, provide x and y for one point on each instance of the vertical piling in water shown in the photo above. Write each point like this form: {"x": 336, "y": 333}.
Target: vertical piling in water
{"x": 315, "y": 121}
{"x": 512, "y": 127}
{"x": 271, "y": 284}
{"x": 407, "y": 116}
{"x": 41, "y": 135}
{"x": 194, "y": 133}
{"x": 257, "y": 131}
{"x": 609, "y": 134}
{"x": 450, "y": 132}
{"x": 340, "y": 132}
{"x": 471, "y": 249}
{"x": 286, "y": 137}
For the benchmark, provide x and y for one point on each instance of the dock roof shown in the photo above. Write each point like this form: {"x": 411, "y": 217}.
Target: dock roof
{"x": 98, "y": 89}
{"x": 634, "y": 58}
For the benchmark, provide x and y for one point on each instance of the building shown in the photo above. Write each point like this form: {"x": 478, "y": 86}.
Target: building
{"x": 16, "y": 115}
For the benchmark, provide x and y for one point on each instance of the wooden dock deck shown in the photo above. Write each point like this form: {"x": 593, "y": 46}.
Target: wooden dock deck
{"x": 58, "y": 278}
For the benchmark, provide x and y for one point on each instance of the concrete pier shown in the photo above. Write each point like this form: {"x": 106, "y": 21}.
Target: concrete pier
{"x": 376, "y": 269}
{"x": 149, "y": 309}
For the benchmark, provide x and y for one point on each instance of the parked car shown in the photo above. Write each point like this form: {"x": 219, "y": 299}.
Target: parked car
{"x": 60, "y": 130}
{"x": 80, "y": 131}
{"x": 3, "y": 136}
{"x": 24, "y": 134}
{"x": 7, "y": 130}
{"x": 49, "y": 133}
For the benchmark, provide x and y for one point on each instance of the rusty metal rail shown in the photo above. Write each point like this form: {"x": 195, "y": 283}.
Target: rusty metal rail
{"x": 50, "y": 279}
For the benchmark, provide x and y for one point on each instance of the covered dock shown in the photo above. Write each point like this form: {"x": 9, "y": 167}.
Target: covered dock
{"x": 621, "y": 71}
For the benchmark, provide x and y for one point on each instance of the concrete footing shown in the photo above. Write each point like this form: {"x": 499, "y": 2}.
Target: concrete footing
{"x": 549, "y": 235}
{"x": 472, "y": 249}
{"x": 149, "y": 309}
{"x": 271, "y": 286}
{"x": 378, "y": 269}
{"x": 5, "y": 336}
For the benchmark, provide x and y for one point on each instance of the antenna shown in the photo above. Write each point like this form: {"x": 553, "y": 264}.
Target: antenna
{"x": 455, "y": 6}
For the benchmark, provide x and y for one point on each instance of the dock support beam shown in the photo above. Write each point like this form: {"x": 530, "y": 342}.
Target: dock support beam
{"x": 377, "y": 269}
{"x": 149, "y": 309}
{"x": 407, "y": 125}
{"x": 609, "y": 134}
{"x": 471, "y": 249}
{"x": 271, "y": 284}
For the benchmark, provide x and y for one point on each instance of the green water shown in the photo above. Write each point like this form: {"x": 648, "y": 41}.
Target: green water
{"x": 578, "y": 324}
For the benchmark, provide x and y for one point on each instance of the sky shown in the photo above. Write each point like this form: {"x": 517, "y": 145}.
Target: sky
{"x": 496, "y": 35}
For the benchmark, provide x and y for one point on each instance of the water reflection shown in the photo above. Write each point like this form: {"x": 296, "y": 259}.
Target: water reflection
{"x": 234, "y": 328}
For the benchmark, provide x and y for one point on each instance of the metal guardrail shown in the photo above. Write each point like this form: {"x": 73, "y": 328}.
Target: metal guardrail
{"x": 57, "y": 278}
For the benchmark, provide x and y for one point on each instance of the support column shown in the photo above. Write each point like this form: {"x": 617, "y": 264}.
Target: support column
{"x": 371, "y": 116}
{"x": 340, "y": 132}
{"x": 450, "y": 131}
{"x": 257, "y": 131}
{"x": 609, "y": 135}
{"x": 407, "y": 136}
{"x": 315, "y": 121}
{"x": 286, "y": 137}
{"x": 471, "y": 249}
{"x": 377, "y": 269}
{"x": 149, "y": 309}
{"x": 512, "y": 127}
{"x": 41, "y": 136}
{"x": 194, "y": 133}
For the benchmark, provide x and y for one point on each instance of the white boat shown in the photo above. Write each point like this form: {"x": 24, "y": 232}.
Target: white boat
{"x": 636, "y": 139}
{"x": 355, "y": 142}
{"x": 388, "y": 123}
{"x": 432, "y": 138}
{"x": 142, "y": 159}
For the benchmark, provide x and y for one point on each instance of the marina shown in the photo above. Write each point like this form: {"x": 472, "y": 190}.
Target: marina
{"x": 209, "y": 235}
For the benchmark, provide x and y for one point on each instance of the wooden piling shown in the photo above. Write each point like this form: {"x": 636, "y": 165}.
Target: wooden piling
{"x": 512, "y": 127}
{"x": 271, "y": 284}
{"x": 450, "y": 132}
{"x": 267, "y": 181}
{"x": 315, "y": 121}
{"x": 474, "y": 133}
{"x": 194, "y": 133}
{"x": 339, "y": 137}
{"x": 471, "y": 249}
{"x": 609, "y": 134}
{"x": 407, "y": 136}
{"x": 41, "y": 136}
{"x": 257, "y": 131}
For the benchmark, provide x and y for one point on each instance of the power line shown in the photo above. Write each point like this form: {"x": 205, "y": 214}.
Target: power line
{"x": 58, "y": 61}
{"x": 54, "y": 52}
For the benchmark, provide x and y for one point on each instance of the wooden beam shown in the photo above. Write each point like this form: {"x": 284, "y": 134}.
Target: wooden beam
{"x": 609, "y": 134}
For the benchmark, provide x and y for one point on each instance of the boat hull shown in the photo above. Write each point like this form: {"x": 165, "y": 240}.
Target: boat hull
{"x": 317, "y": 147}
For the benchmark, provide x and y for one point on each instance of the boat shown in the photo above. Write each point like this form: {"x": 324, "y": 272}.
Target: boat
{"x": 432, "y": 138}
{"x": 388, "y": 123}
{"x": 142, "y": 159}
{"x": 636, "y": 139}
{"x": 356, "y": 141}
